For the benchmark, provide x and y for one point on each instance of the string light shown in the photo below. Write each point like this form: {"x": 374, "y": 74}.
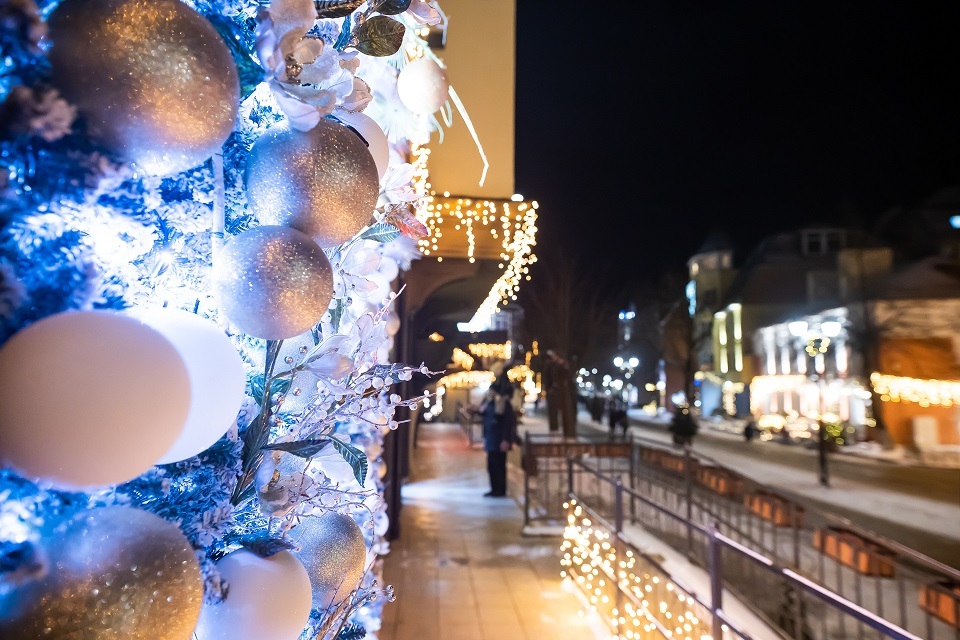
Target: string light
{"x": 462, "y": 359}
{"x": 606, "y": 573}
{"x": 435, "y": 337}
{"x": 462, "y": 379}
{"x": 925, "y": 392}
{"x": 487, "y": 350}
{"x": 501, "y": 229}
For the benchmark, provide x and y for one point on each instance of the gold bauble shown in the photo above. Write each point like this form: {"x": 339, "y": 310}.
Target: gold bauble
{"x": 272, "y": 282}
{"x": 333, "y": 550}
{"x": 322, "y": 182}
{"x": 153, "y": 80}
{"x": 116, "y": 573}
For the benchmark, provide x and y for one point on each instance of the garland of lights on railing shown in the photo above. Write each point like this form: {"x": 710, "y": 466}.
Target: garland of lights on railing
{"x": 926, "y": 393}
{"x": 652, "y": 604}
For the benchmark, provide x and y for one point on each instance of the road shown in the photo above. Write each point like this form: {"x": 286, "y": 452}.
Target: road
{"x": 916, "y": 506}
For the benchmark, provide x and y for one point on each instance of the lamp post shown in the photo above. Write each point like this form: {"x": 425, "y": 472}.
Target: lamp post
{"x": 818, "y": 345}
{"x": 816, "y": 348}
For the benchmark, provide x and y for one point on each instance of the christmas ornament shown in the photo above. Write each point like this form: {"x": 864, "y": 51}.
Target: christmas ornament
{"x": 218, "y": 379}
{"x": 116, "y": 573}
{"x": 273, "y": 282}
{"x": 322, "y": 182}
{"x": 266, "y": 598}
{"x": 90, "y": 399}
{"x": 153, "y": 79}
{"x": 371, "y": 134}
{"x": 333, "y": 550}
{"x": 422, "y": 85}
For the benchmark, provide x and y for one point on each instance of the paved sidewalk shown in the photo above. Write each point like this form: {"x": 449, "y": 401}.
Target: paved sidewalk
{"x": 461, "y": 568}
{"x": 917, "y": 507}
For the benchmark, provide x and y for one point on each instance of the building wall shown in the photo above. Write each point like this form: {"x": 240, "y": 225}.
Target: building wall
{"x": 924, "y": 358}
{"x": 485, "y": 82}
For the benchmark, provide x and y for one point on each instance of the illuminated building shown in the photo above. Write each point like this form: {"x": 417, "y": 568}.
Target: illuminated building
{"x": 888, "y": 355}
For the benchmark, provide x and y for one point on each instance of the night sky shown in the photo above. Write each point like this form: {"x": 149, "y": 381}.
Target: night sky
{"x": 642, "y": 126}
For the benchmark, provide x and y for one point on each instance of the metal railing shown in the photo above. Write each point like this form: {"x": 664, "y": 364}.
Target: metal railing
{"x": 719, "y": 548}
{"x": 471, "y": 424}
{"x": 880, "y": 576}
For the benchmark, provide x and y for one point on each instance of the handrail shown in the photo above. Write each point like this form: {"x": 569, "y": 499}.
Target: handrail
{"x": 832, "y": 518}
{"x": 715, "y": 538}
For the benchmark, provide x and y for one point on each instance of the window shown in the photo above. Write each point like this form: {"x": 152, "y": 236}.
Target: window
{"x": 820, "y": 242}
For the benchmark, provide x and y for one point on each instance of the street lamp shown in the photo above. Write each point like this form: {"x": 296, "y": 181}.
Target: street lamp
{"x": 817, "y": 347}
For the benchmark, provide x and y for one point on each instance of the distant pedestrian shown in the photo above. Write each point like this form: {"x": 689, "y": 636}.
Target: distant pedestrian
{"x": 684, "y": 427}
{"x": 499, "y": 431}
{"x": 617, "y": 415}
{"x": 750, "y": 431}
{"x": 822, "y": 445}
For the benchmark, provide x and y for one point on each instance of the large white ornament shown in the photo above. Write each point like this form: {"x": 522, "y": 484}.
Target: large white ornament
{"x": 90, "y": 399}
{"x": 153, "y": 80}
{"x": 217, "y": 378}
{"x": 266, "y": 598}
{"x": 423, "y": 86}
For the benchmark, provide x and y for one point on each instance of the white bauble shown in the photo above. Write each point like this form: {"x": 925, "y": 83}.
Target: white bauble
{"x": 90, "y": 399}
{"x": 422, "y": 86}
{"x": 218, "y": 378}
{"x": 266, "y": 598}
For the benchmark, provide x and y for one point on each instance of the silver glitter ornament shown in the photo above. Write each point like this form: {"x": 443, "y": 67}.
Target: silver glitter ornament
{"x": 116, "y": 573}
{"x": 322, "y": 182}
{"x": 153, "y": 79}
{"x": 272, "y": 282}
{"x": 333, "y": 550}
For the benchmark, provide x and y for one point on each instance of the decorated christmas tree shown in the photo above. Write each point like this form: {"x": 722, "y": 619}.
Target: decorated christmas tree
{"x": 204, "y": 207}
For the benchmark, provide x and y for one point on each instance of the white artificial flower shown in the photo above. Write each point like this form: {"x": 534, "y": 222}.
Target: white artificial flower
{"x": 334, "y": 467}
{"x": 307, "y": 78}
{"x": 331, "y": 359}
{"x": 402, "y": 250}
{"x": 351, "y": 274}
{"x": 359, "y": 98}
{"x": 423, "y": 13}
{"x": 396, "y": 185}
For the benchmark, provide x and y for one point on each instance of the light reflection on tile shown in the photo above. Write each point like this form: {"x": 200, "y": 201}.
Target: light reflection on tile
{"x": 461, "y": 568}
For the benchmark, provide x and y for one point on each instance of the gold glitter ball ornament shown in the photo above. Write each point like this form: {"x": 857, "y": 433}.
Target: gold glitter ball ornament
{"x": 116, "y": 573}
{"x": 273, "y": 282}
{"x": 333, "y": 550}
{"x": 322, "y": 182}
{"x": 153, "y": 80}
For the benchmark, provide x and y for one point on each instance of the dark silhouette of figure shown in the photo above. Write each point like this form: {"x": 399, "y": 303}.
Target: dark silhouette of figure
{"x": 499, "y": 431}
{"x": 561, "y": 394}
{"x": 684, "y": 427}
{"x": 617, "y": 415}
{"x": 550, "y": 382}
{"x": 822, "y": 446}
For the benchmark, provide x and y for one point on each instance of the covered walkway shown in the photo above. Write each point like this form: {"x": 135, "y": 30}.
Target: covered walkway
{"x": 461, "y": 568}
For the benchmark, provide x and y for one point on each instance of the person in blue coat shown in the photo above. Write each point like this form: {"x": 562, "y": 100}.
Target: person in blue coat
{"x": 499, "y": 426}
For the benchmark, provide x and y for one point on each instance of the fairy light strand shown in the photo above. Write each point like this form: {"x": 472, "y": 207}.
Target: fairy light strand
{"x": 925, "y": 392}
{"x": 652, "y": 604}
